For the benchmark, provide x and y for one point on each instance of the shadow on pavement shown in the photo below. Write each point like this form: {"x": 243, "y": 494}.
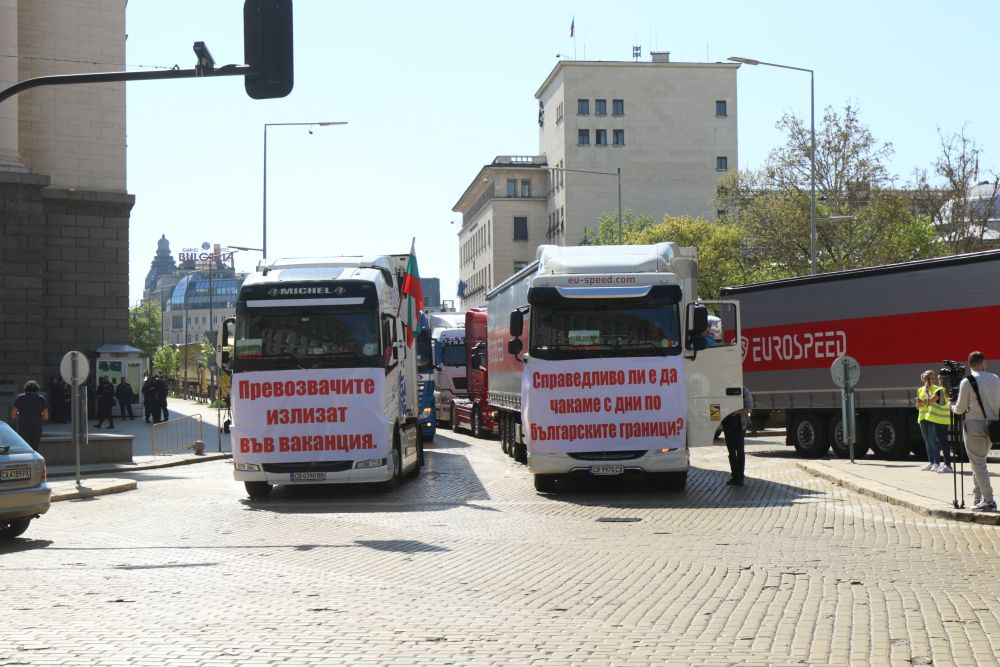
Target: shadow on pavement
{"x": 19, "y": 544}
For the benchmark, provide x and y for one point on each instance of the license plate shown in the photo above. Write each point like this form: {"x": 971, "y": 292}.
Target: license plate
{"x": 606, "y": 469}
{"x": 308, "y": 476}
{"x": 10, "y": 474}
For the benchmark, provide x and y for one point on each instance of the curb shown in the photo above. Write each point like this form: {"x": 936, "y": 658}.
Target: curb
{"x": 894, "y": 496}
{"x": 120, "y": 486}
{"x": 215, "y": 456}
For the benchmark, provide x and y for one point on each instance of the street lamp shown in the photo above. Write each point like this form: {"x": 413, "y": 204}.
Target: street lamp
{"x": 267, "y": 125}
{"x": 812, "y": 150}
{"x": 603, "y": 173}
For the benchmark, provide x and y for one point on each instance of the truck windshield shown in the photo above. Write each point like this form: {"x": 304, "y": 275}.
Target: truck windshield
{"x": 453, "y": 355}
{"x": 425, "y": 357}
{"x": 286, "y": 338}
{"x": 577, "y": 328}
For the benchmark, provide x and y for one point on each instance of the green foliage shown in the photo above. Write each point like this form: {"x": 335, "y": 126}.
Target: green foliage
{"x": 144, "y": 328}
{"x": 206, "y": 355}
{"x": 166, "y": 361}
{"x": 607, "y": 230}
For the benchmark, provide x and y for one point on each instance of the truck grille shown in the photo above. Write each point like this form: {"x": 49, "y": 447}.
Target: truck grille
{"x": 625, "y": 455}
{"x": 319, "y": 466}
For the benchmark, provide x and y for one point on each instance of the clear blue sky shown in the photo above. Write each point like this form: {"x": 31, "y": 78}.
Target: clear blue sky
{"x": 433, "y": 91}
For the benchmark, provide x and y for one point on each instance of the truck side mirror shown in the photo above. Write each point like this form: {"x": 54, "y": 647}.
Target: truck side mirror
{"x": 516, "y": 323}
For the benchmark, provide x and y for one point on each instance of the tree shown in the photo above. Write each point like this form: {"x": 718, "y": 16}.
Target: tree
{"x": 961, "y": 204}
{"x": 166, "y": 360}
{"x": 145, "y": 330}
{"x": 607, "y": 229}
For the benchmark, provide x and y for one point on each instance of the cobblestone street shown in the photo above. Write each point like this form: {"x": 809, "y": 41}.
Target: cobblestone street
{"x": 469, "y": 565}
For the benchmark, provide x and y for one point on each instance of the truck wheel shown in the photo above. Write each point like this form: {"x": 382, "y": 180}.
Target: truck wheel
{"x": 395, "y": 461}
{"x": 477, "y": 423}
{"x": 415, "y": 470}
{"x": 502, "y": 427}
{"x": 546, "y": 483}
{"x": 837, "y": 444}
{"x": 887, "y": 437}
{"x": 520, "y": 452}
{"x": 454, "y": 419}
{"x": 809, "y": 432}
{"x": 258, "y": 490}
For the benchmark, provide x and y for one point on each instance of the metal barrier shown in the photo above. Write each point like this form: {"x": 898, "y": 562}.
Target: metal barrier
{"x": 176, "y": 435}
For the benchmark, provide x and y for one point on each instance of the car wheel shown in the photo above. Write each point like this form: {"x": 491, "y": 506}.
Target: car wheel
{"x": 11, "y": 529}
{"x": 258, "y": 490}
{"x": 809, "y": 433}
{"x": 546, "y": 483}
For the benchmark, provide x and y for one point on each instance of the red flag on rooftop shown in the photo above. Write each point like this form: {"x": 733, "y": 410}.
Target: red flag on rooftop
{"x": 412, "y": 295}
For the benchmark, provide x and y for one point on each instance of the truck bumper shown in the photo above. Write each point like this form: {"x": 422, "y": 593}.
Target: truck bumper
{"x": 352, "y": 476}
{"x": 652, "y": 461}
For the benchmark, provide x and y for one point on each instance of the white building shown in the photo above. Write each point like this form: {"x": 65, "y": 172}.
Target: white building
{"x": 670, "y": 127}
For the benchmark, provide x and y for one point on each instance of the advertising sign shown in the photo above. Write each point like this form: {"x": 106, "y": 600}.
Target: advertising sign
{"x": 330, "y": 414}
{"x": 604, "y": 404}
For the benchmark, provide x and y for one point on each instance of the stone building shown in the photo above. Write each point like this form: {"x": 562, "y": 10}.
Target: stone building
{"x": 669, "y": 127}
{"x": 64, "y": 208}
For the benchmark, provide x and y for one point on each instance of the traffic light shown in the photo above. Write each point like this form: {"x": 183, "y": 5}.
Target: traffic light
{"x": 267, "y": 45}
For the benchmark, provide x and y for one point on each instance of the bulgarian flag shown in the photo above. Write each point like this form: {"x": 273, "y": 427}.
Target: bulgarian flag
{"x": 412, "y": 296}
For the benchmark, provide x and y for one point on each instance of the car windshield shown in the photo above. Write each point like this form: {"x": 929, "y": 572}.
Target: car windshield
{"x": 453, "y": 355}
{"x": 11, "y": 442}
{"x": 272, "y": 339}
{"x": 620, "y": 327}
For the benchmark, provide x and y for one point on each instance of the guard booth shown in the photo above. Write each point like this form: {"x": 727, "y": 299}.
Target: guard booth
{"x": 117, "y": 361}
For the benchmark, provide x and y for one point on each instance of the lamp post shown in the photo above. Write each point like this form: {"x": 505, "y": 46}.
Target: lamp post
{"x": 267, "y": 125}
{"x": 603, "y": 173}
{"x": 812, "y": 150}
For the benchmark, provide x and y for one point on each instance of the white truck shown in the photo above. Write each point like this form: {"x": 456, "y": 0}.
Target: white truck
{"x": 599, "y": 365}
{"x": 324, "y": 386}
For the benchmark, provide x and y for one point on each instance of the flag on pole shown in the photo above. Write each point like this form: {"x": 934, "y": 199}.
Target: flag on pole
{"x": 412, "y": 296}
{"x": 572, "y": 24}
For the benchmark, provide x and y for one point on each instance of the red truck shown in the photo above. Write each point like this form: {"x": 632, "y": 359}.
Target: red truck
{"x": 475, "y": 413}
{"x": 896, "y": 320}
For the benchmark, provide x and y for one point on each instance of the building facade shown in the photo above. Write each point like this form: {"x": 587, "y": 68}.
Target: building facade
{"x": 669, "y": 128}
{"x": 64, "y": 208}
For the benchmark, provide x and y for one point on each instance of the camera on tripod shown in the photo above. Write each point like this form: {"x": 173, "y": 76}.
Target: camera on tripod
{"x": 951, "y": 375}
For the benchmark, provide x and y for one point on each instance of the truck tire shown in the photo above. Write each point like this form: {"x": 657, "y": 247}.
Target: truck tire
{"x": 809, "y": 435}
{"x": 258, "y": 490}
{"x": 887, "y": 438}
{"x": 454, "y": 419}
{"x": 477, "y": 422}
{"x": 546, "y": 483}
{"x": 840, "y": 449}
{"x": 503, "y": 428}
{"x": 519, "y": 452}
{"x": 415, "y": 470}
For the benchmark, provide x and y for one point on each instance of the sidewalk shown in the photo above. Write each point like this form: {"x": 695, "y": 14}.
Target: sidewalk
{"x": 99, "y": 478}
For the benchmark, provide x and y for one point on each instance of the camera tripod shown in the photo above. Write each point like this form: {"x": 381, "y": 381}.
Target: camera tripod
{"x": 957, "y": 445}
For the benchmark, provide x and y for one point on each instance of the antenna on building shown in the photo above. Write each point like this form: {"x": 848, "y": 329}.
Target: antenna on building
{"x": 636, "y": 52}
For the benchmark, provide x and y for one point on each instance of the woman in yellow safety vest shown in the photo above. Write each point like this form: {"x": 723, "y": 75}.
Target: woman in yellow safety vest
{"x": 933, "y": 418}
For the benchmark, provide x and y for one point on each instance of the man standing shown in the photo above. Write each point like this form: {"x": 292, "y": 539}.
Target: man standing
{"x": 978, "y": 400}
{"x": 30, "y": 409}
{"x": 105, "y": 403}
{"x": 124, "y": 395}
{"x": 734, "y": 427}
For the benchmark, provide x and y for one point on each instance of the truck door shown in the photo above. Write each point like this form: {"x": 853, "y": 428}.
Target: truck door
{"x": 715, "y": 373}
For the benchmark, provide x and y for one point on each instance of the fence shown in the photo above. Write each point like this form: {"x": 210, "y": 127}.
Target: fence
{"x": 176, "y": 435}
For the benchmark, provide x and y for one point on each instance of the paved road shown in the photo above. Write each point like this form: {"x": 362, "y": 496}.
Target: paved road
{"x": 468, "y": 565}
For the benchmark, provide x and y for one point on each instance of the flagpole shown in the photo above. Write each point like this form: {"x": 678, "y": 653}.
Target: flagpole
{"x": 573, "y": 30}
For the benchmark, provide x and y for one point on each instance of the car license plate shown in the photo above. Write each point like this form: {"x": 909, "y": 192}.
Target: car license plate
{"x": 308, "y": 476}
{"x": 606, "y": 469}
{"x": 11, "y": 474}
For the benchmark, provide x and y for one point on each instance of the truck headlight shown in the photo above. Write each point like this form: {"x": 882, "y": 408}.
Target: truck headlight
{"x": 248, "y": 467}
{"x": 426, "y": 412}
{"x": 370, "y": 463}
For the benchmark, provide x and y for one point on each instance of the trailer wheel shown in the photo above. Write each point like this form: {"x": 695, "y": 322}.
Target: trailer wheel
{"x": 258, "y": 490}
{"x": 809, "y": 433}
{"x": 887, "y": 437}
{"x": 840, "y": 449}
{"x": 477, "y": 423}
{"x": 546, "y": 483}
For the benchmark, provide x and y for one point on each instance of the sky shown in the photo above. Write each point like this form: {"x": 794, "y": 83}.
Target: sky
{"x": 431, "y": 92}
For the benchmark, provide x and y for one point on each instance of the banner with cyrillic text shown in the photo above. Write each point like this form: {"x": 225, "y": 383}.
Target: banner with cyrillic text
{"x": 604, "y": 404}
{"x": 328, "y": 414}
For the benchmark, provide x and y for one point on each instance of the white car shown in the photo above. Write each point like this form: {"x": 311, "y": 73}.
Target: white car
{"x": 24, "y": 494}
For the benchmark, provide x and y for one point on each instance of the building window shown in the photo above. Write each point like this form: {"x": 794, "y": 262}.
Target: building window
{"x": 525, "y": 188}
{"x": 618, "y": 136}
{"x": 583, "y": 137}
{"x": 721, "y": 163}
{"x": 618, "y": 107}
{"x": 583, "y": 107}
{"x": 511, "y": 187}
{"x": 600, "y": 107}
{"x": 720, "y": 108}
{"x": 520, "y": 229}
{"x": 601, "y": 137}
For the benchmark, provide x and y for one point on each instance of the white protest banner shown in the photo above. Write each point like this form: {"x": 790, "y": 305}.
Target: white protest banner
{"x": 328, "y": 414}
{"x": 604, "y": 404}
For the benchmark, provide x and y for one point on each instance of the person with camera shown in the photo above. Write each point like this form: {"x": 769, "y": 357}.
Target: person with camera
{"x": 979, "y": 400}
{"x": 933, "y": 420}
